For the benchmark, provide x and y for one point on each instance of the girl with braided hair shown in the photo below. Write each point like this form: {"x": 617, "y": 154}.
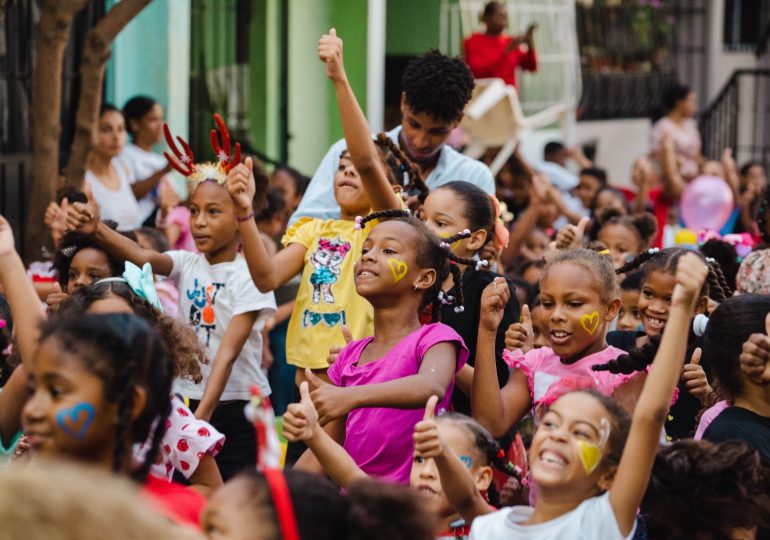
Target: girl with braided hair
{"x": 468, "y": 221}
{"x": 99, "y": 384}
{"x": 324, "y": 250}
{"x": 451, "y": 467}
{"x": 658, "y": 268}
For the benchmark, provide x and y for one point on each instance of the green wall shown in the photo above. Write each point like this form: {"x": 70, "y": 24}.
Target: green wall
{"x": 151, "y": 56}
{"x": 412, "y": 26}
{"x": 313, "y": 117}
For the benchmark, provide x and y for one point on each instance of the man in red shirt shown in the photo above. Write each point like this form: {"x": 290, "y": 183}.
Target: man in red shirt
{"x": 494, "y": 54}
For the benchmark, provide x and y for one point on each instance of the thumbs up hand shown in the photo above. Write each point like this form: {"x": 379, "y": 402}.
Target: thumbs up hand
{"x": 427, "y": 440}
{"x": 55, "y": 298}
{"x": 571, "y": 236}
{"x": 494, "y": 298}
{"x": 330, "y": 401}
{"x": 334, "y": 350}
{"x": 755, "y": 356}
{"x": 521, "y": 335}
{"x": 300, "y": 421}
{"x": 84, "y": 217}
{"x": 695, "y": 378}
{"x": 242, "y": 188}
{"x": 330, "y": 53}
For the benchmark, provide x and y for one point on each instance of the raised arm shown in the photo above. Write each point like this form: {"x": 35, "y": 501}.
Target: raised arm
{"x": 84, "y": 218}
{"x": 651, "y": 410}
{"x": 673, "y": 183}
{"x": 300, "y": 423}
{"x": 434, "y": 377}
{"x": 496, "y": 409}
{"x": 458, "y": 484}
{"x": 267, "y": 272}
{"x": 363, "y": 153}
{"x": 20, "y": 293}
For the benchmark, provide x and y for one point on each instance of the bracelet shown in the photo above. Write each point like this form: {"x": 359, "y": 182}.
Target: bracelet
{"x": 242, "y": 219}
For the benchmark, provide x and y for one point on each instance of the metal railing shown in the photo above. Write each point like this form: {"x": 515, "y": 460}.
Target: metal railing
{"x": 739, "y": 118}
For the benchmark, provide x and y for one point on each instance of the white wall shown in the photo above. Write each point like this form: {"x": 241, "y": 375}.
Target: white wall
{"x": 619, "y": 143}
{"x": 722, "y": 63}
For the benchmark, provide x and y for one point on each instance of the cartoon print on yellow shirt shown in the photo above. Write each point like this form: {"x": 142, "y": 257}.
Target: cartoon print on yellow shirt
{"x": 327, "y": 262}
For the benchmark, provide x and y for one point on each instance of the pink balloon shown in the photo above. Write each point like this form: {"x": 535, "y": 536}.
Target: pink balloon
{"x": 707, "y": 203}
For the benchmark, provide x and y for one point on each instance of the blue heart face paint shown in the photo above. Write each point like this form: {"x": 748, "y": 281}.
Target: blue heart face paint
{"x": 467, "y": 461}
{"x": 75, "y": 421}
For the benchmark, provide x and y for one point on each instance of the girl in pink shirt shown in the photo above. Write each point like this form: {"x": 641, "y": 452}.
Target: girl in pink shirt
{"x": 380, "y": 384}
{"x": 580, "y": 297}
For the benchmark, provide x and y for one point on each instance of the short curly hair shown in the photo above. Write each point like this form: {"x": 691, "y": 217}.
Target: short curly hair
{"x": 180, "y": 339}
{"x": 438, "y": 85}
{"x": 699, "y": 489}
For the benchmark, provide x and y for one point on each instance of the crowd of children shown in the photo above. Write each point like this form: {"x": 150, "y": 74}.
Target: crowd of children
{"x": 450, "y": 355}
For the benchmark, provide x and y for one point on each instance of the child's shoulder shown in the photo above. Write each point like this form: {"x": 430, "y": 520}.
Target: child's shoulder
{"x": 307, "y": 229}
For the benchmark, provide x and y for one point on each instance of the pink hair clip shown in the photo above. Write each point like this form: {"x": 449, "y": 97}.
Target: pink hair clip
{"x": 358, "y": 220}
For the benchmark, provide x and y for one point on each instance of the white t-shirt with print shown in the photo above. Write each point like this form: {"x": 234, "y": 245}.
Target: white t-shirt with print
{"x": 593, "y": 519}
{"x": 210, "y": 295}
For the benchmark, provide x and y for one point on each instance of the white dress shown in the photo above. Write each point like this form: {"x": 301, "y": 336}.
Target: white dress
{"x": 119, "y": 206}
{"x": 143, "y": 164}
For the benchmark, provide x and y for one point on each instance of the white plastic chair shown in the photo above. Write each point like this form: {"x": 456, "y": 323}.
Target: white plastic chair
{"x": 493, "y": 118}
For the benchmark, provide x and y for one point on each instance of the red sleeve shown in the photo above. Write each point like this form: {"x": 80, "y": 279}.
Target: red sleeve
{"x": 481, "y": 58}
{"x": 526, "y": 60}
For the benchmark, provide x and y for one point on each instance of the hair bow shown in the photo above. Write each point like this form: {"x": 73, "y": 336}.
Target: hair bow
{"x": 743, "y": 242}
{"x": 142, "y": 283}
{"x": 501, "y": 233}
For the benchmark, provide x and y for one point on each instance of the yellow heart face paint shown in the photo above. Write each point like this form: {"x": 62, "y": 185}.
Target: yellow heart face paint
{"x": 590, "y": 455}
{"x": 590, "y": 322}
{"x": 398, "y": 269}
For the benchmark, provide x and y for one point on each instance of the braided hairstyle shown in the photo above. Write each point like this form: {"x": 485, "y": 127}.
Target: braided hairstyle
{"x": 124, "y": 352}
{"x": 487, "y": 448}
{"x": 430, "y": 252}
{"x": 477, "y": 207}
{"x": 664, "y": 261}
{"x": 180, "y": 339}
{"x": 397, "y": 164}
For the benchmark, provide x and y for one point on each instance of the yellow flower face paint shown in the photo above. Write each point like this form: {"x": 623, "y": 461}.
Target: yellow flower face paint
{"x": 398, "y": 269}
{"x": 590, "y": 455}
{"x": 590, "y": 322}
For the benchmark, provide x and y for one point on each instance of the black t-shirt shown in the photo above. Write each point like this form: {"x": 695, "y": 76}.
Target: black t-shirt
{"x": 737, "y": 423}
{"x": 467, "y": 325}
{"x": 623, "y": 339}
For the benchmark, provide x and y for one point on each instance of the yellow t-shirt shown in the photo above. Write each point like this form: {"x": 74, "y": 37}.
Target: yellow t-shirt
{"x": 327, "y": 297}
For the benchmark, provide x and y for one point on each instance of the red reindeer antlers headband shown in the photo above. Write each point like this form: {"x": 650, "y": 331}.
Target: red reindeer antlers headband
{"x": 184, "y": 162}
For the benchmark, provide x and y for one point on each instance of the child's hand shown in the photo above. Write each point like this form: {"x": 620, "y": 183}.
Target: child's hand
{"x": 427, "y": 441}
{"x": 7, "y": 243}
{"x": 695, "y": 378}
{"x": 84, "y": 217}
{"x": 571, "y": 236}
{"x": 330, "y": 52}
{"x": 755, "y": 356}
{"x": 691, "y": 274}
{"x": 242, "y": 187}
{"x": 521, "y": 335}
{"x": 494, "y": 298}
{"x": 330, "y": 401}
{"x": 167, "y": 195}
{"x": 334, "y": 350}
{"x": 55, "y": 298}
{"x": 300, "y": 421}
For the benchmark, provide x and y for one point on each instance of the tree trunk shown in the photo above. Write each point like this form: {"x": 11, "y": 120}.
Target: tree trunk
{"x": 52, "y": 36}
{"x": 96, "y": 52}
